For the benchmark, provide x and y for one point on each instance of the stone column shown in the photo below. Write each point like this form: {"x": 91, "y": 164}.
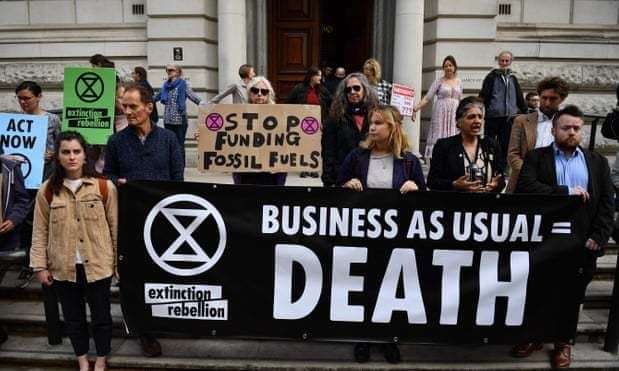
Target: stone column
{"x": 408, "y": 56}
{"x": 232, "y": 42}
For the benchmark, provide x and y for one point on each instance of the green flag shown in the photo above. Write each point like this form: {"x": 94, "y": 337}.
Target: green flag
{"x": 89, "y": 100}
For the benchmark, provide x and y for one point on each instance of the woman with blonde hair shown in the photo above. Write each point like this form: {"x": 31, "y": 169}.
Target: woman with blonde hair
{"x": 383, "y": 159}
{"x": 372, "y": 70}
{"x": 260, "y": 91}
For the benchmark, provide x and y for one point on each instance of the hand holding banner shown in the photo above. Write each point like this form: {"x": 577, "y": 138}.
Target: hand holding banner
{"x": 259, "y": 137}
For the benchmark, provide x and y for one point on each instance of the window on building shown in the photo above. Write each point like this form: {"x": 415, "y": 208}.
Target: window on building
{"x": 505, "y": 9}
{"x": 137, "y": 9}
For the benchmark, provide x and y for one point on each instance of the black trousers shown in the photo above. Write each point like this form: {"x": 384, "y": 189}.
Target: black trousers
{"x": 97, "y": 294}
{"x": 499, "y": 129}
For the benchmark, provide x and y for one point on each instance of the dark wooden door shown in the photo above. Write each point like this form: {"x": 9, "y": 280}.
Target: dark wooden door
{"x": 293, "y": 43}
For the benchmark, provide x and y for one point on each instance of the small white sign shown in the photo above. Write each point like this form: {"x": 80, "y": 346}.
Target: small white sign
{"x": 403, "y": 98}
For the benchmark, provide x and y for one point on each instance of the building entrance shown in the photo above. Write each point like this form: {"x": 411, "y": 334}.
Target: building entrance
{"x": 302, "y": 33}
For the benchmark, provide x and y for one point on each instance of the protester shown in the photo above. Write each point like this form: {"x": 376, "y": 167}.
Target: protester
{"x": 173, "y": 94}
{"x": 140, "y": 76}
{"x": 332, "y": 80}
{"x": 311, "y": 92}
{"x": 347, "y": 124}
{"x": 99, "y": 60}
{"x": 532, "y": 99}
{"x": 533, "y": 130}
{"x": 612, "y": 123}
{"x": 563, "y": 168}
{"x": 29, "y": 95}
{"x": 383, "y": 159}
{"x": 143, "y": 151}
{"x": 260, "y": 92}
{"x": 238, "y": 90}
{"x": 503, "y": 99}
{"x": 15, "y": 203}
{"x": 448, "y": 91}
{"x": 81, "y": 264}
{"x": 372, "y": 70}
{"x": 467, "y": 162}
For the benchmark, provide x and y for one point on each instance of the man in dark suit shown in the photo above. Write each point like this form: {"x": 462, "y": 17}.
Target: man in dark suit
{"x": 564, "y": 168}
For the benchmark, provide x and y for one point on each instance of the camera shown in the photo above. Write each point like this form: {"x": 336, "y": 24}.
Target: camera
{"x": 476, "y": 173}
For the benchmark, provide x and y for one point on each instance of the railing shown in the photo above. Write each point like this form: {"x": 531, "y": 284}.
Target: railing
{"x": 595, "y": 120}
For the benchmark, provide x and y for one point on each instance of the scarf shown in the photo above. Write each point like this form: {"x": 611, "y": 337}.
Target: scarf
{"x": 357, "y": 109}
{"x": 181, "y": 93}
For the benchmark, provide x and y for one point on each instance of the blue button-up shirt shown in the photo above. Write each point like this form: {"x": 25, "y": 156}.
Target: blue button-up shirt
{"x": 571, "y": 169}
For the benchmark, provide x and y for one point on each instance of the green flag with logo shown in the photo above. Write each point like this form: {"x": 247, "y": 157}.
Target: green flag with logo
{"x": 89, "y": 100}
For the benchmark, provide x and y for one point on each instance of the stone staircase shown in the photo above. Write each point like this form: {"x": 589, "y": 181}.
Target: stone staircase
{"x": 21, "y": 312}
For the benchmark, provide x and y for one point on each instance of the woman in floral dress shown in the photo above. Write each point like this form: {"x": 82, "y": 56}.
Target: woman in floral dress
{"x": 448, "y": 90}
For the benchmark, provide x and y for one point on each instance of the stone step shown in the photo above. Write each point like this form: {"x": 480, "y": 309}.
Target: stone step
{"x": 231, "y": 354}
{"x": 26, "y": 317}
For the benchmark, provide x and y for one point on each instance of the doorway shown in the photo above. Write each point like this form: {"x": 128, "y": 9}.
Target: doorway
{"x": 303, "y": 33}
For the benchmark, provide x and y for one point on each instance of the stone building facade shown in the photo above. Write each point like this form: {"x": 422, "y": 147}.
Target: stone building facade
{"x": 576, "y": 39}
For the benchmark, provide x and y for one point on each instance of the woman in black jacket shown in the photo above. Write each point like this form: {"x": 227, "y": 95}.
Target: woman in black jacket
{"x": 347, "y": 124}
{"x": 311, "y": 91}
{"x": 467, "y": 162}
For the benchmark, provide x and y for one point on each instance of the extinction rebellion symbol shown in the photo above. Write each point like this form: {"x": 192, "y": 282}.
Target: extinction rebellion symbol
{"x": 89, "y": 87}
{"x": 173, "y": 253}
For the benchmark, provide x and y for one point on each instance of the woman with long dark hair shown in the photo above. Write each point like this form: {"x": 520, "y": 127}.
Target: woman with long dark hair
{"x": 74, "y": 245}
{"x": 311, "y": 91}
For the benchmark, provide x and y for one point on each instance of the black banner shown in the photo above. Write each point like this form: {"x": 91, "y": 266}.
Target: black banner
{"x": 331, "y": 263}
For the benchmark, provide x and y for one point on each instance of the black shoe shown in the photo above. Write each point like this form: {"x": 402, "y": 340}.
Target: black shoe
{"x": 150, "y": 345}
{"x": 3, "y": 335}
{"x": 362, "y": 352}
{"x": 391, "y": 352}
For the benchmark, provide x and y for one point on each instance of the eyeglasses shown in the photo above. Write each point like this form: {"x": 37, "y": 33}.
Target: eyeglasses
{"x": 24, "y": 99}
{"x": 261, "y": 91}
{"x": 170, "y": 70}
{"x": 356, "y": 88}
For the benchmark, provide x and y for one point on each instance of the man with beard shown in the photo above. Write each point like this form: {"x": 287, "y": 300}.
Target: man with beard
{"x": 563, "y": 168}
{"x": 533, "y": 130}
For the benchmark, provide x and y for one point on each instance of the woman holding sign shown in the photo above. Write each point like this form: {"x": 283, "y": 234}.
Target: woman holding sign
{"x": 467, "y": 162}
{"x": 448, "y": 91}
{"x": 74, "y": 245}
{"x": 260, "y": 91}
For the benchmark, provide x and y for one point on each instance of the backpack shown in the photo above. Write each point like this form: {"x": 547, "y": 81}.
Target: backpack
{"x": 49, "y": 196}
{"x": 610, "y": 127}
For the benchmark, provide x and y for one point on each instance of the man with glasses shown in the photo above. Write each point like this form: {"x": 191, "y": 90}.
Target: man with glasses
{"x": 238, "y": 90}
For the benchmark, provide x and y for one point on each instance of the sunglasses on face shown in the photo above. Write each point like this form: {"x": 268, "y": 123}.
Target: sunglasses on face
{"x": 170, "y": 70}
{"x": 356, "y": 88}
{"x": 261, "y": 91}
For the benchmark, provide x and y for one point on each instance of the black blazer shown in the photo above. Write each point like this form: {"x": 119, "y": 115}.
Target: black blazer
{"x": 447, "y": 163}
{"x": 539, "y": 175}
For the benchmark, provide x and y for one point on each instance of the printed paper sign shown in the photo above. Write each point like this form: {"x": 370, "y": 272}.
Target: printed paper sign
{"x": 89, "y": 102}
{"x": 403, "y": 98}
{"x": 24, "y": 137}
{"x": 259, "y": 137}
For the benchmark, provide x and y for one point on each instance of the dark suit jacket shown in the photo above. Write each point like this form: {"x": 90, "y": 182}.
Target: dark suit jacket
{"x": 538, "y": 175}
{"x": 447, "y": 163}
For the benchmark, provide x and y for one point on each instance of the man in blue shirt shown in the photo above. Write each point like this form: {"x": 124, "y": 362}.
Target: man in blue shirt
{"x": 564, "y": 168}
{"x": 143, "y": 151}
